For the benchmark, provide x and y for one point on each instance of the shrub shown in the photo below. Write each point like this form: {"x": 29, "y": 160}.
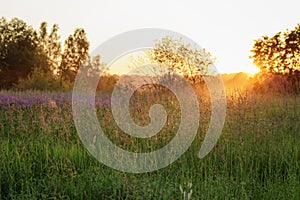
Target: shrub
{"x": 44, "y": 81}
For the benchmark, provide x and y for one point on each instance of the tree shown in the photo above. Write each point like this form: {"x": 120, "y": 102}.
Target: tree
{"x": 278, "y": 54}
{"x": 54, "y": 48}
{"x": 25, "y": 52}
{"x": 19, "y": 51}
{"x": 172, "y": 55}
{"x": 51, "y": 46}
{"x": 92, "y": 67}
{"x": 76, "y": 51}
{"x": 278, "y": 58}
{"x": 91, "y": 71}
{"x": 43, "y": 35}
{"x": 190, "y": 62}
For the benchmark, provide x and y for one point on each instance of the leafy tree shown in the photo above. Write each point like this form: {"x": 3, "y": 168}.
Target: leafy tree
{"x": 172, "y": 55}
{"x": 54, "y": 48}
{"x": 26, "y": 54}
{"x": 51, "y": 46}
{"x": 43, "y": 35}
{"x": 279, "y": 54}
{"x": 76, "y": 51}
{"x": 19, "y": 51}
{"x": 278, "y": 58}
{"x": 190, "y": 62}
{"x": 107, "y": 83}
{"x": 91, "y": 70}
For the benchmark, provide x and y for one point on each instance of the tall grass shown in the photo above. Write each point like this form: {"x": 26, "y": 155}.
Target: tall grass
{"x": 257, "y": 156}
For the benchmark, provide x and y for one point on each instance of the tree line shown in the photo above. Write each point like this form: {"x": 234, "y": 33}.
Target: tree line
{"x": 37, "y": 59}
{"x": 29, "y": 56}
{"x": 278, "y": 58}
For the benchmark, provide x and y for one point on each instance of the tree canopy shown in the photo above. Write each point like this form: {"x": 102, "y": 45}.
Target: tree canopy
{"x": 26, "y": 53}
{"x": 76, "y": 51}
{"x": 19, "y": 51}
{"x": 177, "y": 55}
{"x": 279, "y": 54}
{"x": 190, "y": 62}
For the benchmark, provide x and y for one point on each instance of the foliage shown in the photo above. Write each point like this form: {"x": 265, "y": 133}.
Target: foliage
{"x": 278, "y": 58}
{"x": 44, "y": 81}
{"x": 19, "y": 51}
{"x": 190, "y": 62}
{"x": 75, "y": 53}
{"x": 107, "y": 83}
{"x": 278, "y": 54}
{"x": 168, "y": 56}
{"x": 51, "y": 45}
{"x": 24, "y": 50}
{"x": 276, "y": 84}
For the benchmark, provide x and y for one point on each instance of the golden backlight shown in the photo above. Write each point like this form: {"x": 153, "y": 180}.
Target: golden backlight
{"x": 123, "y": 64}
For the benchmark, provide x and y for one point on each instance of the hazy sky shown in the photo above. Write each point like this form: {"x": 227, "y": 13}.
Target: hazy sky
{"x": 225, "y": 28}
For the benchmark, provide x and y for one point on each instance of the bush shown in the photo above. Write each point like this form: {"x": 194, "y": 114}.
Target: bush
{"x": 277, "y": 83}
{"x": 44, "y": 81}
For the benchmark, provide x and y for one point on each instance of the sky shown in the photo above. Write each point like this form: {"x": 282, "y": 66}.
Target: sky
{"x": 227, "y": 29}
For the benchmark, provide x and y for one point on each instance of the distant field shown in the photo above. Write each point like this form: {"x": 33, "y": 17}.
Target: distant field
{"x": 257, "y": 156}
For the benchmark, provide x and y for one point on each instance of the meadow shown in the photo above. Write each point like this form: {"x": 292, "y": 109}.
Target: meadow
{"x": 256, "y": 157}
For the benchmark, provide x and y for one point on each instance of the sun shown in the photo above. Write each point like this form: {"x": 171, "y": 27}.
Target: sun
{"x": 252, "y": 69}
{"x": 248, "y": 68}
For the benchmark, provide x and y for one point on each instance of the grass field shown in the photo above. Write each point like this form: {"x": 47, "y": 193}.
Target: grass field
{"x": 257, "y": 156}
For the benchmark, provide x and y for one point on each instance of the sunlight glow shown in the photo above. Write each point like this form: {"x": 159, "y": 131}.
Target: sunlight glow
{"x": 225, "y": 28}
{"x": 123, "y": 65}
{"x": 252, "y": 70}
